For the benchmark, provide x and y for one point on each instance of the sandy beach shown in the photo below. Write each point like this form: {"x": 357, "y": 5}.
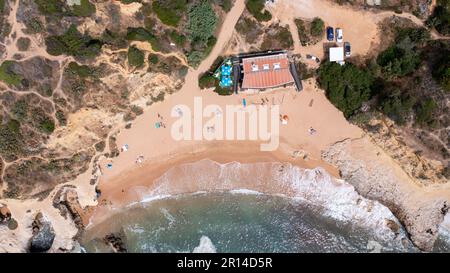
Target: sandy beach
{"x": 151, "y": 152}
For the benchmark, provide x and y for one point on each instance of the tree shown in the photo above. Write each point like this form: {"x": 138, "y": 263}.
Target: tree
{"x": 255, "y": 7}
{"x": 347, "y": 86}
{"x": 317, "y": 27}
{"x": 135, "y": 57}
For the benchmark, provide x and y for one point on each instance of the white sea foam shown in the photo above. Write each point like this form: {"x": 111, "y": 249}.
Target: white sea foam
{"x": 335, "y": 197}
{"x": 205, "y": 246}
{"x": 245, "y": 191}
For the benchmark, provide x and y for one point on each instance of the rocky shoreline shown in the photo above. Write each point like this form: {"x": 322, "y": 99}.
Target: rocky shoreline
{"x": 421, "y": 212}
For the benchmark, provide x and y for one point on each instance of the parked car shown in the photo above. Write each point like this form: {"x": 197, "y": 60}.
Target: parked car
{"x": 339, "y": 35}
{"x": 347, "y": 49}
{"x": 330, "y": 34}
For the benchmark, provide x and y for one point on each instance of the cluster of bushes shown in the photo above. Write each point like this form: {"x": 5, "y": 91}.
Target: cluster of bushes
{"x": 255, "y": 7}
{"x": 135, "y": 57}
{"x": 440, "y": 19}
{"x": 57, "y": 7}
{"x": 441, "y": 68}
{"x": 402, "y": 58}
{"x": 170, "y": 12}
{"x": 143, "y": 35}
{"x": 308, "y": 32}
{"x": 207, "y": 80}
{"x": 73, "y": 43}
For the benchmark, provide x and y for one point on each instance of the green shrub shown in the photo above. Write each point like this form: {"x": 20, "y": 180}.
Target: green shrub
{"x": 135, "y": 57}
{"x": 82, "y": 71}
{"x": 440, "y": 19}
{"x": 397, "y": 62}
{"x": 61, "y": 117}
{"x": 195, "y": 58}
{"x": 255, "y": 7}
{"x": 47, "y": 125}
{"x": 425, "y": 111}
{"x": 226, "y": 5}
{"x": 317, "y": 27}
{"x": 396, "y": 105}
{"x": 23, "y": 43}
{"x": 206, "y": 80}
{"x": 10, "y": 140}
{"x": 153, "y": 58}
{"x": 73, "y": 43}
{"x": 7, "y": 75}
{"x": 50, "y": 7}
{"x": 202, "y": 22}
{"x": 20, "y": 109}
{"x": 114, "y": 39}
{"x": 142, "y": 34}
{"x": 347, "y": 86}
{"x": 441, "y": 69}
{"x": 170, "y": 11}
{"x": 178, "y": 39}
{"x": 84, "y": 9}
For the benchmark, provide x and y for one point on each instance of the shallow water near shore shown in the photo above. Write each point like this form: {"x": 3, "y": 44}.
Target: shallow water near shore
{"x": 238, "y": 222}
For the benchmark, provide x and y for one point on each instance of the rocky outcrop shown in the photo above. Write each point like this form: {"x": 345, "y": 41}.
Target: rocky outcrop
{"x": 43, "y": 234}
{"x": 5, "y": 214}
{"x": 375, "y": 175}
{"x": 66, "y": 200}
{"x": 116, "y": 241}
{"x": 386, "y": 135}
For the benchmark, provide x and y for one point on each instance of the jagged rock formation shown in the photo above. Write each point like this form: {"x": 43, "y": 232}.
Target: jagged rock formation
{"x": 43, "y": 234}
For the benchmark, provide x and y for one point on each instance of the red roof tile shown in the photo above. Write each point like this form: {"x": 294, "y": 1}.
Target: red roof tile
{"x": 266, "y": 72}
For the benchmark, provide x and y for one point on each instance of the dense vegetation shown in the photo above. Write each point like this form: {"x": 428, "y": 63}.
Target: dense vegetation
{"x": 73, "y": 43}
{"x": 440, "y": 19}
{"x": 347, "y": 86}
{"x": 402, "y": 58}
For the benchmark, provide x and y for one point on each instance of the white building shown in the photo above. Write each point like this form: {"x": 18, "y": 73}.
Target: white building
{"x": 337, "y": 55}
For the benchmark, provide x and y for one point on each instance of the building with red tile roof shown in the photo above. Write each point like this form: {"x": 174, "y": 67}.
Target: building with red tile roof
{"x": 266, "y": 71}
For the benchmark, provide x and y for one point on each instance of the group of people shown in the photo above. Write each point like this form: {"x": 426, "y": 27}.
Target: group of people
{"x": 160, "y": 123}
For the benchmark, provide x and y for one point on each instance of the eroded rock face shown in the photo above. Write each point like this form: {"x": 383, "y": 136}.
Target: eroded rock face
{"x": 420, "y": 210}
{"x": 5, "y": 214}
{"x": 116, "y": 241}
{"x": 43, "y": 234}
